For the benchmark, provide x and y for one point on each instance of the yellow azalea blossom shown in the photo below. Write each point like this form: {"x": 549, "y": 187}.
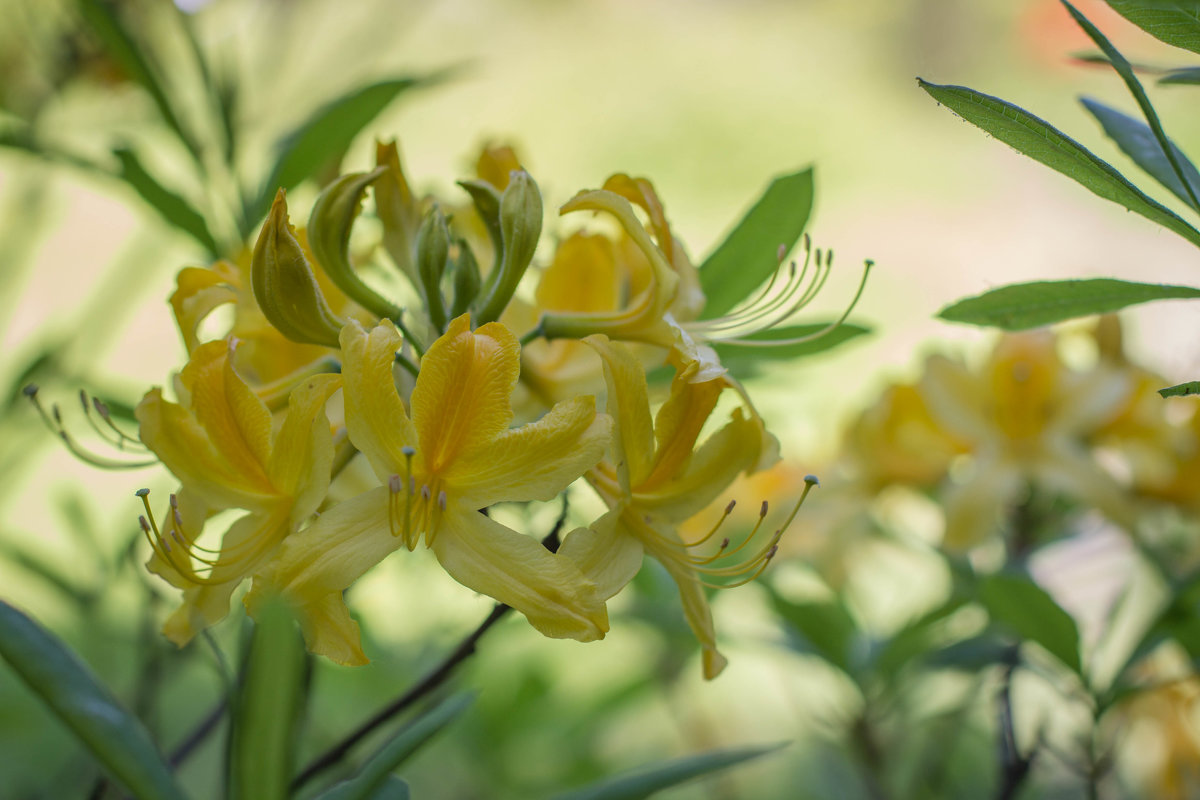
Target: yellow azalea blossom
{"x": 220, "y": 443}
{"x": 452, "y": 456}
{"x": 1026, "y": 420}
{"x": 656, "y": 479}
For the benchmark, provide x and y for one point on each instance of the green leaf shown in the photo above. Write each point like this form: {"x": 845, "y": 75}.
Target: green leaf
{"x": 742, "y": 359}
{"x": 827, "y": 627}
{"x": 1028, "y": 305}
{"x": 1181, "y": 389}
{"x": 971, "y": 654}
{"x": 1020, "y": 605}
{"x": 1042, "y": 142}
{"x": 269, "y": 703}
{"x": 1175, "y": 22}
{"x": 1185, "y": 76}
{"x": 325, "y": 136}
{"x": 108, "y": 731}
{"x": 914, "y": 639}
{"x": 647, "y": 781}
{"x": 1137, "y": 141}
{"x": 750, "y": 253}
{"x": 1174, "y": 158}
{"x": 177, "y": 212}
{"x": 124, "y": 48}
{"x": 372, "y": 777}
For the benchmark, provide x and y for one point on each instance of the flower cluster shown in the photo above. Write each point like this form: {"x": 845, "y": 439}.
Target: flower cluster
{"x": 1010, "y": 448}
{"x": 413, "y": 353}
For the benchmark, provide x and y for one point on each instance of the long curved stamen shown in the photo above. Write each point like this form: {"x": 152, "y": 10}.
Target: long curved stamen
{"x": 400, "y": 523}
{"x": 867, "y": 265}
{"x": 747, "y": 314}
{"x": 181, "y": 558}
{"x": 54, "y": 421}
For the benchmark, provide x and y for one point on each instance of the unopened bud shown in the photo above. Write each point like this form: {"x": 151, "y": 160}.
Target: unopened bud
{"x": 467, "y": 279}
{"x": 284, "y": 284}
{"x": 398, "y": 210}
{"x": 487, "y": 203}
{"x": 433, "y": 248}
{"x": 329, "y": 227}
{"x": 520, "y": 227}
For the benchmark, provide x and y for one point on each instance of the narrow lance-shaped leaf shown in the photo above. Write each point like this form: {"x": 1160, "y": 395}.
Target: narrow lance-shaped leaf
{"x": 1175, "y": 22}
{"x": 1175, "y": 159}
{"x": 177, "y": 212}
{"x": 1023, "y": 607}
{"x": 71, "y": 691}
{"x": 1028, "y": 305}
{"x": 1184, "y": 76}
{"x": 268, "y": 705}
{"x": 1042, "y": 142}
{"x": 1137, "y": 141}
{"x": 750, "y": 253}
{"x": 644, "y": 783}
{"x": 127, "y": 51}
{"x": 1181, "y": 389}
{"x": 372, "y": 777}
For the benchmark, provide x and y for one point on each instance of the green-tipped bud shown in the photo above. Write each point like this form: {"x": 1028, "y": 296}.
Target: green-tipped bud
{"x": 433, "y": 248}
{"x": 487, "y": 203}
{"x": 329, "y": 227}
{"x": 284, "y": 284}
{"x": 520, "y": 228}
{"x": 467, "y": 280}
{"x": 398, "y": 210}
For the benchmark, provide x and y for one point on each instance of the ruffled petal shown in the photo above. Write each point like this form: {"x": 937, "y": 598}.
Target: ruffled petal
{"x": 677, "y": 427}
{"x": 462, "y": 397}
{"x": 197, "y": 292}
{"x": 375, "y": 416}
{"x": 517, "y": 570}
{"x": 535, "y": 461}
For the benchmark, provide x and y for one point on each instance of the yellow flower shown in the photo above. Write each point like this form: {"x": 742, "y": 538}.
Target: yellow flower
{"x": 1026, "y": 419}
{"x": 220, "y": 444}
{"x": 656, "y": 479}
{"x": 454, "y": 455}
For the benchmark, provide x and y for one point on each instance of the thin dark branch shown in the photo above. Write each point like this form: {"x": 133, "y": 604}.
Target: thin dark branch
{"x": 426, "y": 685}
{"x": 199, "y": 733}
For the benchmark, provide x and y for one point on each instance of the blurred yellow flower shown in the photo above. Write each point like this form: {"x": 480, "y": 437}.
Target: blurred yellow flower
{"x": 454, "y": 455}
{"x": 657, "y": 478}
{"x": 220, "y": 443}
{"x": 1027, "y": 419}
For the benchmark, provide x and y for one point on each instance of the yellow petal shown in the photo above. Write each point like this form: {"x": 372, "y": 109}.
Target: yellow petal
{"x": 235, "y": 419}
{"x": 375, "y": 416}
{"x": 246, "y": 546}
{"x": 582, "y": 277}
{"x": 462, "y": 397}
{"x": 496, "y": 163}
{"x": 605, "y": 553}
{"x": 535, "y": 461}
{"x": 677, "y": 426}
{"x": 515, "y": 569}
{"x": 177, "y": 438}
{"x": 314, "y": 567}
{"x": 197, "y": 292}
{"x": 691, "y": 592}
{"x": 302, "y": 455}
{"x": 974, "y": 508}
{"x": 629, "y": 406}
{"x": 732, "y": 450}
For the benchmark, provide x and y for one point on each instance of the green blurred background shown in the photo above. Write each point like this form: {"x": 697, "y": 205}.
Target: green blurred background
{"x": 708, "y": 99}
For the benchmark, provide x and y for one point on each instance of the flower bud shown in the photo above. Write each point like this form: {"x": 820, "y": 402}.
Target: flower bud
{"x": 398, "y": 210}
{"x": 520, "y": 228}
{"x": 329, "y": 227}
{"x": 284, "y": 284}
{"x": 467, "y": 279}
{"x": 433, "y": 248}
{"x": 487, "y": 204}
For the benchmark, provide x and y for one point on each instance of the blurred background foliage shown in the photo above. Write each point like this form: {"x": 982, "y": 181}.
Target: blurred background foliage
{"x": 995, "y": 583}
